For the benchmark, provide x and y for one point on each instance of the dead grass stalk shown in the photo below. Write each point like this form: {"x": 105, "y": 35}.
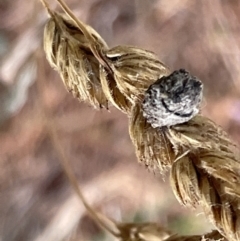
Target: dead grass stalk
{"x": 203, "y": 161}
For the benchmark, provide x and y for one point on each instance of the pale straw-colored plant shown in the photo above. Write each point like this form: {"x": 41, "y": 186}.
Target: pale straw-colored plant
{"x": 164, "y": 124}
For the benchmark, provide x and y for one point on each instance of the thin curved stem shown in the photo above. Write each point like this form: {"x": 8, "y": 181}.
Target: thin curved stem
{"x": 47, "y": 7}
{"x": 67, "y": 168}
{"x": 93, "y": 44}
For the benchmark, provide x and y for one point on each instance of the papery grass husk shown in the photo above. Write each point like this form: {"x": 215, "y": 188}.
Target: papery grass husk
{"x": 152, "y": 146}
{"x": 204, "y": 163}
{"x": 204, "y": 166}
{"x": 201, "y": 132}
{"x": 134, "y": 69}
{"x": 208, "y": 174}
{"x": 113, "y": 94}
{"x": 193, "y": 184}
{"x": 68, "y": 51}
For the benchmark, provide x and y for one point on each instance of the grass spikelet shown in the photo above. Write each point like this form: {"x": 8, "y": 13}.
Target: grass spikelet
{"x": 204, "y": 165}
{"x": 134, "y": 69}
{"x": 153, "y": 149}
{"x": 112, "y": 92}
{"x": 215, "y": 163}
{"x": 68, "y": 52}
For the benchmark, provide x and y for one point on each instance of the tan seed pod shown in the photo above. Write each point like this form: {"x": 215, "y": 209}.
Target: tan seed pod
{"x": 112, "y": 92}
{"x": 183, "y": 170}
{"x": 201, "y": 132}
{"x": 207, "y": 172}
{"x": 203, "y": 161}
{"x": 210, "y": 179}
{"x": 204, "y": 165}
{"x": 153, "y": 148}
{"x": 133, "y": 70}
{"x": 68, "y": 52}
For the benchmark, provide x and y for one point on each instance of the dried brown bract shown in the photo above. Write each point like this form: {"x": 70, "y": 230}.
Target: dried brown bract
{"x": 153, "y": 148}
{"x": 68, "y": 51}
{"x": 130, "y": 72}
{"x": 112, "y": 92}
{"x": 91, "y": 71}
{"x": 133, "y": 70}
{"x": 203, "y": 161}
{"x": 207, "y": 173}
{"x": 204, "y": 165}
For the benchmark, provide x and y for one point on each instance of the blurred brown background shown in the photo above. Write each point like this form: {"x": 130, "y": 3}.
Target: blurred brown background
{"x": 36, "y": 200}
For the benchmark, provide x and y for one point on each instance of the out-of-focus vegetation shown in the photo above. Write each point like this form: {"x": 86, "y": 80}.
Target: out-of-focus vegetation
{"x": 36, "y": 200}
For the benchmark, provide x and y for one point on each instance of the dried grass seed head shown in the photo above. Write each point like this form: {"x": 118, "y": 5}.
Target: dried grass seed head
{"x": 195, "y": 156}
{"x": 112, "y": 92}
{"x": 200, "y": 133}
{"x": 204, "y": 165}
{"x": 207, "y": 172}
{"x": 133, "y": 70}
{"x": 153, "y": 148}
{"x": 172, "y": 99}
{"x": 200, "y": 180}
{"x": 68, "y": 51}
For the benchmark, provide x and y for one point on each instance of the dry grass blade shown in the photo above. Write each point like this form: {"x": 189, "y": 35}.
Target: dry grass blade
{"x": 94, "y": 44}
